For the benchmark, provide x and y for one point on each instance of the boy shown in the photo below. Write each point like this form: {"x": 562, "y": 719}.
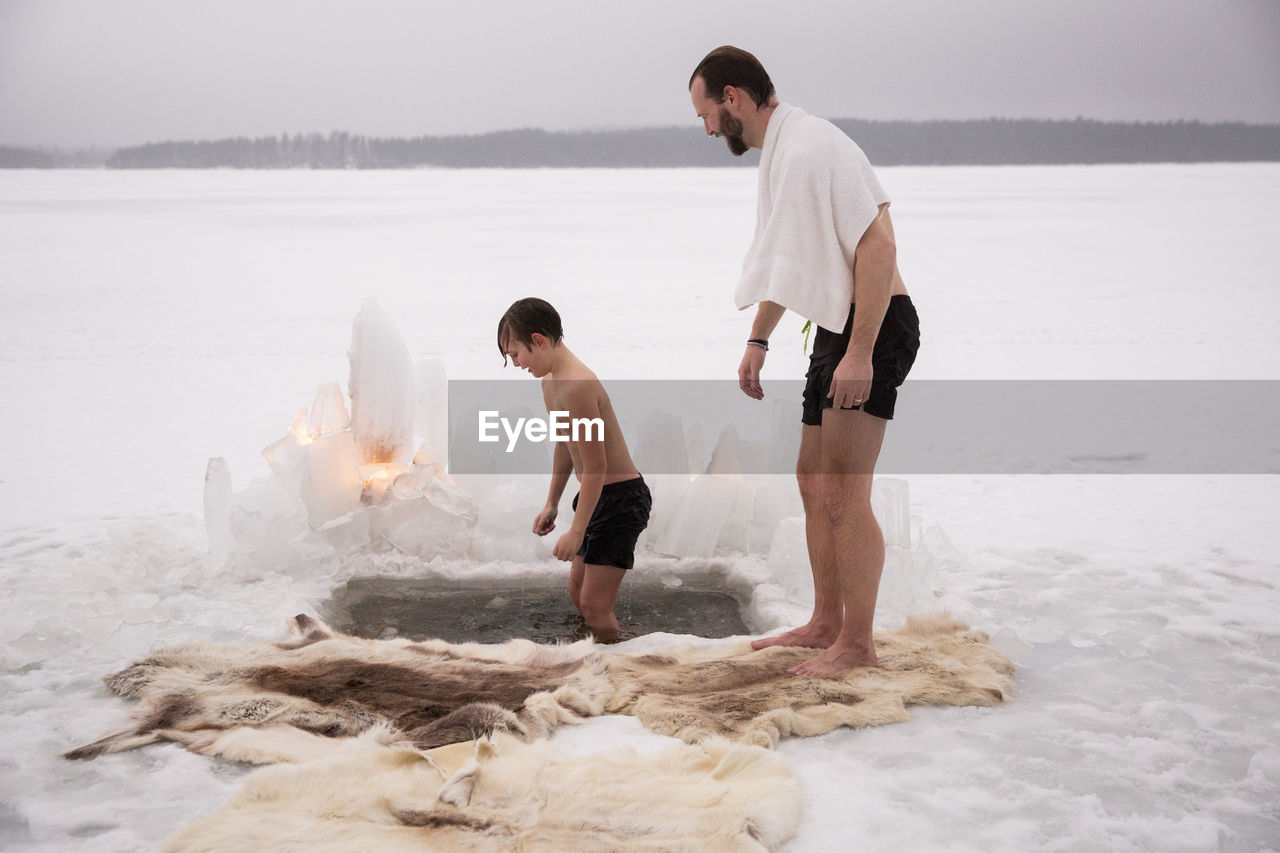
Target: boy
{"x": 613, "y": 502}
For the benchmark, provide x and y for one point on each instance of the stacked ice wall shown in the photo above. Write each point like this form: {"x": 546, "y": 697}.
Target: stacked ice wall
{"x": 346, "y": 479}
{"x": 713, "y": 508}
{"x": 340, "y": 482}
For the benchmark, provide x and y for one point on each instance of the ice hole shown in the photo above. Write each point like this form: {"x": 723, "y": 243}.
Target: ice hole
{"x": 537, "y": 609}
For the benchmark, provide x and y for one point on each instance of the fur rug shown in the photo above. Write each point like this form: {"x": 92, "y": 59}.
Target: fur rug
{"x": 360, "y": 794}
{"x": 331, "y": 684}
{"x": 748, "y": 696}
{"x": 435, "y": 693}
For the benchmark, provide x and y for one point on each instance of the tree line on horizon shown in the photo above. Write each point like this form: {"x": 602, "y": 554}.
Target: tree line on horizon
{"x": 979, "y": 142}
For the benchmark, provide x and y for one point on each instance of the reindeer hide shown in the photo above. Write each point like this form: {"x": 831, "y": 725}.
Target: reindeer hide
{"x": 434, "y": 693}
{"x": 505, "y": 795}
{"x": 748, "y": 696}
{"x": 334, "y": 685}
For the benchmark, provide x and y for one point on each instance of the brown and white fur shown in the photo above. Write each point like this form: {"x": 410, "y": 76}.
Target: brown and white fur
{"x": 334, "y": 685}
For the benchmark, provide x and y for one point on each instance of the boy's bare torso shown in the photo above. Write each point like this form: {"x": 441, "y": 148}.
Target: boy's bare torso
{"x": 567, "y": 392}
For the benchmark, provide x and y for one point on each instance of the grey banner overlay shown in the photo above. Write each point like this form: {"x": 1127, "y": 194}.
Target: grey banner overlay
{"x": 939, "y": 427}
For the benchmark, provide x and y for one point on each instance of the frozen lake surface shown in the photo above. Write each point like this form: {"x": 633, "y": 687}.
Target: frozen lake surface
{"x": 155, "y": 319}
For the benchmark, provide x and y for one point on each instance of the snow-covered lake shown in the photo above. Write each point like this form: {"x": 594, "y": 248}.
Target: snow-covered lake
{"x": 155, "y": 319}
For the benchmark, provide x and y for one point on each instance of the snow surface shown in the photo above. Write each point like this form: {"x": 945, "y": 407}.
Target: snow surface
{"x": 156, "y": 319}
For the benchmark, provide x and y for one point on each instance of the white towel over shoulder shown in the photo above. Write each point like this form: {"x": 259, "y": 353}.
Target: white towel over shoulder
{"x": 817, "y": 197}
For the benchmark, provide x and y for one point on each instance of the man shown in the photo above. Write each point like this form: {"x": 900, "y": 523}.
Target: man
{"x": 824, "y": 246}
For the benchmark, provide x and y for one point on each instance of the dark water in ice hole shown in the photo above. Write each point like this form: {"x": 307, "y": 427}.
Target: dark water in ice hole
{"x": 538, "y": 610}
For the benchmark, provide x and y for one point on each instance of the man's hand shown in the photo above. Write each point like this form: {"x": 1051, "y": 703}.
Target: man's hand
{"x": 546, "y": 520}
{"x": 567, "y": 548}
{"x": 749, "y": 372}
{"x": 851, "y": 382}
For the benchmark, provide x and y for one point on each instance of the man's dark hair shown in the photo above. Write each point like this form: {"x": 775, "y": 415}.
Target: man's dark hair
{"x": 732, "y": 66}
{"x": 526, "y": 317}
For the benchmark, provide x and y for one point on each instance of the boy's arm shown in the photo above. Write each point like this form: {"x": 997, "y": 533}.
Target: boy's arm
{"x": 583, "y": 403}
{"x": 561, "y": 468}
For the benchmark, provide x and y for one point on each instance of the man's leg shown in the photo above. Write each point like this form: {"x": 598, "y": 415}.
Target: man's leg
{"x": 851, "y": 443}
{"x": 828, "y": 605}
{"x": 599, "y": 592}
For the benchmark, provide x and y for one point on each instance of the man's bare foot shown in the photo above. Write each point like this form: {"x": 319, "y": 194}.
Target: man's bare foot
{"x": 834, "y": 661}
{"x": 809, "y": 636}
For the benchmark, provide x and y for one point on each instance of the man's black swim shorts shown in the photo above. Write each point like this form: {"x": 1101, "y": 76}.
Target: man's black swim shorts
{"x": 891, "y": 359}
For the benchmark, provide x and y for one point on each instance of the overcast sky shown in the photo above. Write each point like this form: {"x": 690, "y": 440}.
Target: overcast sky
{"x": 82, "y": 72}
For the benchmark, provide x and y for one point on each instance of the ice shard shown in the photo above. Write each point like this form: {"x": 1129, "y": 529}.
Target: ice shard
{"x": 661, "y": 444}
{"x": 285, "y": 456}
{"x": 788, "y": 560}
{"x": 725, "y": 456}
{"x": 891, "y": 504}
{"x": 661, "y": 451}
{"x": 382, "y": 388}
{"x": 433, "y": 409}
{"x": 695, "y": 526}
{"x": 331, "y": 487}
{"x": 217, "y": 508}
{"x": 328, "y": 411}
{"x": 422, "y": 529}
{"x": 784, "y": 436}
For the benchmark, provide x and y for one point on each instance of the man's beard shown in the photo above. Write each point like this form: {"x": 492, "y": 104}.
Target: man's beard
{"x": 731, "y": 130}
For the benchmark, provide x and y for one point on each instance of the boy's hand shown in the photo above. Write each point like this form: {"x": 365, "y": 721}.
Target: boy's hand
{"x": 546, "y": 520}
{"x": 567, "y": 548}
{"x": 749, "y": 372}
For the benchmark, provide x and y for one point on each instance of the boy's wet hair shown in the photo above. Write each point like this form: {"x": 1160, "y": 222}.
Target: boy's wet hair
{"x": 526, "y": 317}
